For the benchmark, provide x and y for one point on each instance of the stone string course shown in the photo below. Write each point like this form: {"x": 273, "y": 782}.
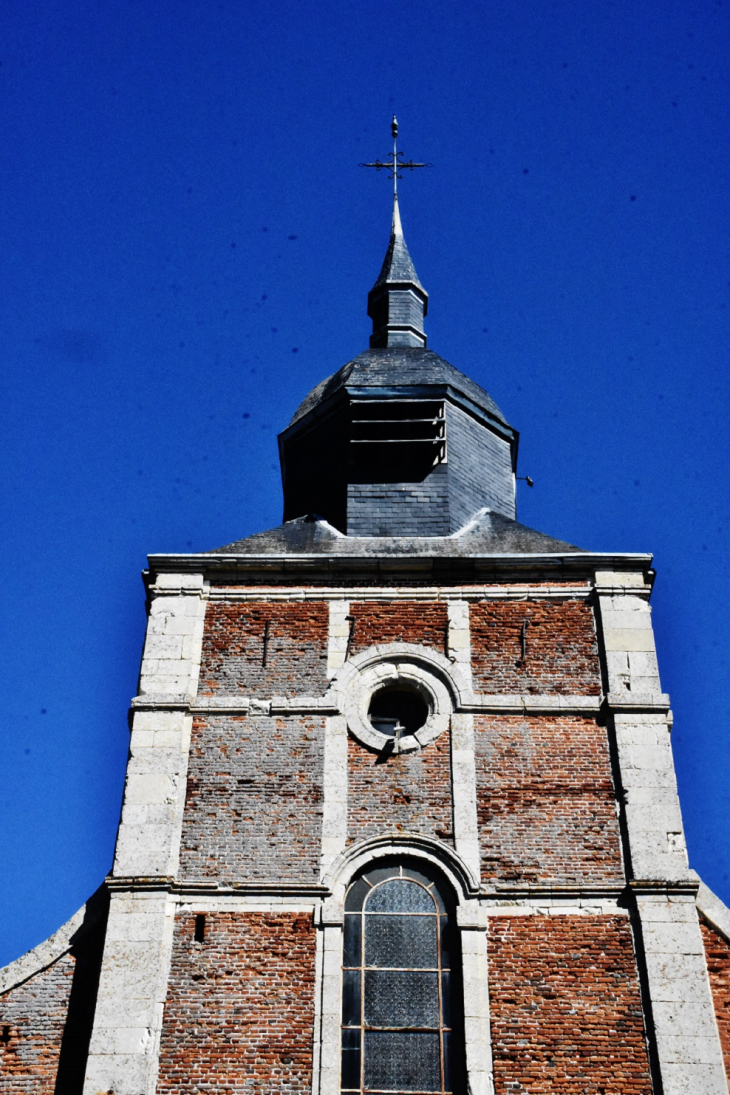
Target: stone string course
{"x": 545, "y": 801}
{"x": 240, "y": 1007}
{"x": 565, "y": 1007}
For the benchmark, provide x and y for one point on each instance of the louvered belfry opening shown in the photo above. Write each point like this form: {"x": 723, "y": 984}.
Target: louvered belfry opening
{"x": 401, "y": 986}
{"x": 396, "y": 440}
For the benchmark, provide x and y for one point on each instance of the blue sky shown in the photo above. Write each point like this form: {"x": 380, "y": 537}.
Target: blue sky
{"x": 188, "y": 242}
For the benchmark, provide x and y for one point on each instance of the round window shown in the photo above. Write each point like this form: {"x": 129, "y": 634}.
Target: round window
{"x": 398, "y": 710}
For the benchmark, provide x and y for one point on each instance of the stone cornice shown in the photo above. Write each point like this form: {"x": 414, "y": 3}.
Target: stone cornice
{"x": 456, "y": 565}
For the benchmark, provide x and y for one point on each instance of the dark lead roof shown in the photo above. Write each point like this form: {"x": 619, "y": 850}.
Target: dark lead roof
{"x": 398, "y": 367}
{"x": 488, "y": 533}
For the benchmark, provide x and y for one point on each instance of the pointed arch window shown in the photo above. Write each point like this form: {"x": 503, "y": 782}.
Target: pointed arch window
{"x": 401, "y": 1021}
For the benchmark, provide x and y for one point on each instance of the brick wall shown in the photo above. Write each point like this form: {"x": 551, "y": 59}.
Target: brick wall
{"x": 422, "y": 622}
{"x": 562, "y": 655}
{"x": 45, "y": 1022}
{"x": 410, "y": 792}
{"x": 240, "y": 1006}
{"x": 254, "y": 799}
{"x": 717, "y": 952}
{"x": 565, "y": 1007}
{"x": 545, "y": 800}
{"x": 32, "y": 1019}
{"x": 296, "y": 650}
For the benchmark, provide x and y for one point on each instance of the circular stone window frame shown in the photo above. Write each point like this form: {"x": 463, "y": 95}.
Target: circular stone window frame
{"x": 382, "y": 667}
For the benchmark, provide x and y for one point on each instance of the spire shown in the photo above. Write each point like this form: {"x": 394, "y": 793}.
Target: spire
{"x": 398, "y": 265}
{"x": 397, "y": 303}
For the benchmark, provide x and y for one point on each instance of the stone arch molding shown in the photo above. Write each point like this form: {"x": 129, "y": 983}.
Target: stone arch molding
{"x": 440, "y": 681}
{"x": 366, "y": 853}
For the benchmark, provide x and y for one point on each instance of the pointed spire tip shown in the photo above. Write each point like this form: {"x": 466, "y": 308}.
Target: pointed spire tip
{"x": 397, "y": 227}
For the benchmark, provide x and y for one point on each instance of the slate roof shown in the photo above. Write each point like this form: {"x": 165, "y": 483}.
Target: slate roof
{"x": 398, "y": 265}
{"x": 397, "y": 367}
{"x": 488, "y": 533}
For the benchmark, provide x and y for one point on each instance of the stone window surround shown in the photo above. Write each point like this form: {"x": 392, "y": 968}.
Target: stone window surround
{"x": 471, "y": 920}
{"x": 432, "y": 675}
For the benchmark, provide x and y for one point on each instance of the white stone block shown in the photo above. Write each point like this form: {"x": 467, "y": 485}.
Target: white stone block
{"x": 629, "y": 640}
{"x": 643, "y": 795}
{"x": 178, "y": 624}
{"x": 123, "y": 1075}
{"x": 671, "y": 939}
{"x": 662, "y": 819}
{"x": 141, "y": 739}
{"x": 683, "y": 1079}
{"x": 125, "y": 1010}
{"x": 627, "y": 618}
{"x": 163, "y": 647}
{"x": 192, "y": 582}
{"x": 615, "y": 578}
{"x": 150, "y": 789}
{"x": 169, "y": 581}
{"x": 647, "y": 756}
{"x": 643, "y": 663}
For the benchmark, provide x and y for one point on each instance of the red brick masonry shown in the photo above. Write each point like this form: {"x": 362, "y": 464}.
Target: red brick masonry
{"x": 240, "y": 1006}
{"x": 296, "y": 649}
{"x": 406, "y": 793}
{"x": 32, "y": 1019}
{"x": 254, "y": 799}
{"x": 717, "y": 952}
{"x": 421, "y": 622}
{"x": 565, "y": 1007}
{"x": 545, "y": 800}
{"x": 561, "y": 651}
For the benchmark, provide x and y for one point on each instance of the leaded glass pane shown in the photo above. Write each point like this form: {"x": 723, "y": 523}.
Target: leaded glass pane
{"x": 446, "y": 999}
{"x": 419, "y": 876}
{"x": 356, "y": 895}
{"x": 446, "y": 933}
{"x": 398, "y": 941}
{"x": 401, "y": 999}
{"x": 400, "y": 895}
{"x": 400, "y": 996}
{"x": 402, "y": 1061}
{"x": 351, "y": 1059}
{"x": 352, "y": 943}
{"x": 379, "y": 874}
{"x": 351, "y": 998}
{"x": 448, "y": 1062}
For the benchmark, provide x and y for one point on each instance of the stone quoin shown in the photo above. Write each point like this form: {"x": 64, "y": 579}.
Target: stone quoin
{"x": 400, "y": 813}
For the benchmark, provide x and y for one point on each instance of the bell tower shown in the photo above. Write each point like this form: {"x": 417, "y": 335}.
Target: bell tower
{"x": 398, "y": 442}
{"x": 400, "y": 812}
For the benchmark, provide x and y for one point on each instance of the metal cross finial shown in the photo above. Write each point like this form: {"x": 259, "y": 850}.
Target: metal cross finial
{"x": 396, "y": 164}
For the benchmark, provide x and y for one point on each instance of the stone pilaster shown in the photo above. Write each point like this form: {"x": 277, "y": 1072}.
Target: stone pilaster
{"x": 684, "y": 1026}
{"x": 464, "y": 791}
{"x": 124, "y": 1048}
{"x": 472, "y": 920}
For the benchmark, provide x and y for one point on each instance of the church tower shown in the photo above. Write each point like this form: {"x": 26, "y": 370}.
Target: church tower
{"x": 400, "y": 813}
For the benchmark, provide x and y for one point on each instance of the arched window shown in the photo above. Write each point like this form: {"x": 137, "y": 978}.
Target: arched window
{"x": 402, "y": 998}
